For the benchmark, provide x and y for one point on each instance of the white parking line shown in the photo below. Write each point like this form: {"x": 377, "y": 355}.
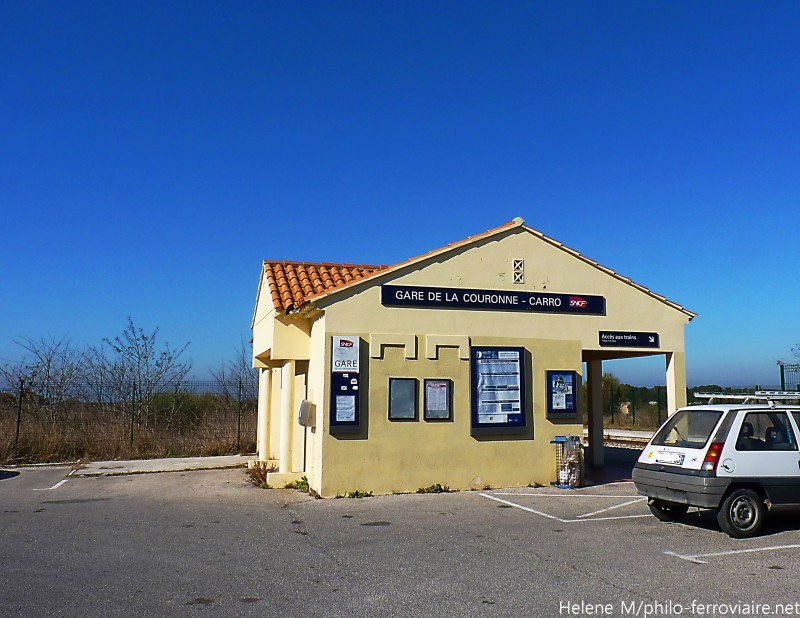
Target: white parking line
{"x": 56, "y": 486}
{"x": 511, "y": 493}
{"x": 696, "y": 558}
{"x": 524, "y": 508}
{"x": 560, "y": 519}
{"x": 616, "y": 506}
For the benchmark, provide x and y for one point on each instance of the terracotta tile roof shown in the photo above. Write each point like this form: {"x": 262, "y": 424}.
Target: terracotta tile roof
{"x": 292, "y": 283}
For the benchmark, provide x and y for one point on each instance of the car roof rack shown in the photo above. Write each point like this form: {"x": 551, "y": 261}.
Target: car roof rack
{"x": 769, "y": 396}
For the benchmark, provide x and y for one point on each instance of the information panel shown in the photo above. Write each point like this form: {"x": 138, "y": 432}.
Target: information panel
{"x": 562, "y": 395}
{"x": 345, "y": 383}
{"x": 498, "y": 387}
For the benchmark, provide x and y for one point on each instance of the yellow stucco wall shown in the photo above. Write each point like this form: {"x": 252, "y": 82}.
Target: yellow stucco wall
{"x": 401, "y": 456}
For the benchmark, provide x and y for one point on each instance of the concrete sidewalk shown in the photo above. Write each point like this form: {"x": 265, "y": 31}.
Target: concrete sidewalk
{"x": 144, "y": 466}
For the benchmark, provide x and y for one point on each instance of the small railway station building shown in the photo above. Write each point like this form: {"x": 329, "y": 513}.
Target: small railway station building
{"x": 457, "y": 367}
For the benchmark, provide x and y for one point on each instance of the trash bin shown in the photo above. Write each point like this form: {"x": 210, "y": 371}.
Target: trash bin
{"x": 569, "y": 461}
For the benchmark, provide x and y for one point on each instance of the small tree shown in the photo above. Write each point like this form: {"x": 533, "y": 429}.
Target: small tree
{"x": 239, "y": 369}
{"x": 137, "y": 357}
{"x": 49, "y": 367}
{"x": 610, "y": 387}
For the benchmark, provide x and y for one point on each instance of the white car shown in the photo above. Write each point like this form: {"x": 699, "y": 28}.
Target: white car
{"x": 741, "y": 460}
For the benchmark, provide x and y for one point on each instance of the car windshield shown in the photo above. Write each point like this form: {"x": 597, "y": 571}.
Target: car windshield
{"x": 688, "y": 428}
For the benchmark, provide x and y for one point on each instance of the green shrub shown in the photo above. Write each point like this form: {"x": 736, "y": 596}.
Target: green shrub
{"x": 358, "y": 494}
{"x": 436, "y": 488}
{"x": 302, "y": 484}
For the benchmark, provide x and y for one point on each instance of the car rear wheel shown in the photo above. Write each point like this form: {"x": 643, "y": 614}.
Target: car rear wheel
{"x": 741, "y": 514}
{"x": 666, "y": 511}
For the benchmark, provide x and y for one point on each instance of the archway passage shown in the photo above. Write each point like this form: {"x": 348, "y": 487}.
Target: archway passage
{"x": 675, "y": 374}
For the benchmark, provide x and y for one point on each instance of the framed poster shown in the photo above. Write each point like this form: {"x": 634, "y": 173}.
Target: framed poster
{"x": 402, "y": 399}
{"x": 438, "y": 395}
{"x": 498, "y": 389}
{"x": 562, "y": 394}
{"x": 345, "y": 396}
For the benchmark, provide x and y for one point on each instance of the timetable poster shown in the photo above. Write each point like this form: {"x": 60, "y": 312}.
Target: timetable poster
{"x": 437, "y": 399}
{"x": 562, "y": 391}
{"x": 498, "y": 378}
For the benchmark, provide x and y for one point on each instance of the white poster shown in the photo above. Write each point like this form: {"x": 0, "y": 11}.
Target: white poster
{"x": 345, "y": 354}
{"x": 345, "y": 408}
{"x": 499, "y": 374}
{"x": 437, "y": 399}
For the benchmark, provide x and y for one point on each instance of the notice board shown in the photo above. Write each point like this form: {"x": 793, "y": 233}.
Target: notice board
{"x": 499, "y": 377}
{"x": 345, "y": 384}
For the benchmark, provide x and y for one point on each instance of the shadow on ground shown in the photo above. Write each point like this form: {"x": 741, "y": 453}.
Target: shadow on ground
{"x": 618, "y": 466}
{"x": 7, "y": 474}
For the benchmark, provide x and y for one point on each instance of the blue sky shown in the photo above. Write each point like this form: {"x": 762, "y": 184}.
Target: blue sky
{"x": 155, "y": 153}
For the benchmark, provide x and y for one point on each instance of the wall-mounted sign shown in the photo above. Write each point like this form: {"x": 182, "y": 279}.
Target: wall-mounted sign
{"x": 494, "y": 300}
{"x": 622, "y": 339}
{"x": 345, "y": 394}
{"x": 437, "y": 400}
{"x": 562, "y": 394}
{"x": 498, "y": 387}
{"x": 345, "y": 354}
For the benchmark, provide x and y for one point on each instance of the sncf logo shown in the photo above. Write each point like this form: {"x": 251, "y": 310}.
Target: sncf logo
{"x": 578, "y": 302}
{"x": 345, "y": 343}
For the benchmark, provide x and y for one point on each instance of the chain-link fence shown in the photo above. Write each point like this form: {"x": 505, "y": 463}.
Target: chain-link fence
{"x": 94, "y": 421}
{"x": 644, "y": 408}
{"x": 631, "y": 407}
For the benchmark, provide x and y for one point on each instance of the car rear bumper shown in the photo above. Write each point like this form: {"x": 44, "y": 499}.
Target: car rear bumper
{"x": 680, "y": 487}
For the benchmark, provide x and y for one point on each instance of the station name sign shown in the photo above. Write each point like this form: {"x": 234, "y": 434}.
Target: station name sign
{"x": 622, "y": 339}
{"x": 493, "y": 300}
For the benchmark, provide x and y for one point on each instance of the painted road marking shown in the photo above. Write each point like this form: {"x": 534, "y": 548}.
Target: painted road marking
{"x": 56, "y": 486}
{"x": 616, "y": 506}
{"x": 696, "y": 558}
{"x": 519, "y": 506}
{"x": 560, "y": 519}
{"x": 511, "y": 493}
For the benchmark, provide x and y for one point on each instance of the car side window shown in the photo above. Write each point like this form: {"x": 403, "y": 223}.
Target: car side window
{"x": 766, "y": 431}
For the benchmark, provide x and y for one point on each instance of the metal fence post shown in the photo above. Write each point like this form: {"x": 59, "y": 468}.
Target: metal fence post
{"x": 19, "y": 415}
{"x": 239, "y": 419}
{"x": 783, "y": 377}
{"x": 133, "y": 409}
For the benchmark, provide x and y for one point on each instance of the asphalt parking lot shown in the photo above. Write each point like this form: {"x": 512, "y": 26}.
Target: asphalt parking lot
{"x": 209, "y": 543}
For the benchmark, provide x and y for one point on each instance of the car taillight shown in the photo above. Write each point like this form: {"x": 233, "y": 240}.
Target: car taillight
{"x": 712, "y": 456}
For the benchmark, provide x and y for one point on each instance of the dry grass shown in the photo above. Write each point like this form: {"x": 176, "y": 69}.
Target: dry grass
{"x": 78, "y": 430}
{"x": 257, "y": 473}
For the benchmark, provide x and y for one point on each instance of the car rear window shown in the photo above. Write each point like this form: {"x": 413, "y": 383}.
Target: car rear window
{"x": 688, "y": 428}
